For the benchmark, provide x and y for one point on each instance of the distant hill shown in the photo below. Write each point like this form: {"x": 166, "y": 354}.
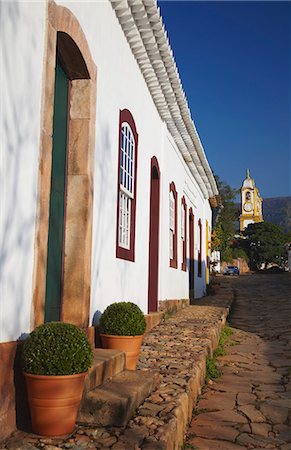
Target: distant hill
{"x": 276, "y": 210}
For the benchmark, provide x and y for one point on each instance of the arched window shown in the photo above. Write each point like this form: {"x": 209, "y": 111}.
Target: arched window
{"x": 173, "y": 226}
{"x": 184, "y": 233}
{"x": 200, "y": 248}
{"x": 126, "y": 201}
{"x": 248, "y": 196}
{"x": 191, "y": 254}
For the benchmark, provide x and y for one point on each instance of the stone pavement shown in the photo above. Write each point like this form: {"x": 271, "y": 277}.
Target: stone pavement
{"x": 177, "y": 349}
{"x": 250, "y": 405}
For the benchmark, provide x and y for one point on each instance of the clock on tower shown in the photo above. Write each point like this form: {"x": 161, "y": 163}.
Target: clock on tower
{"x": 251, "y": 203}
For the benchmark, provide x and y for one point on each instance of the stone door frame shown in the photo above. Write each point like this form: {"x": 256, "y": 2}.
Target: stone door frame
{"x": 64, "y": 32}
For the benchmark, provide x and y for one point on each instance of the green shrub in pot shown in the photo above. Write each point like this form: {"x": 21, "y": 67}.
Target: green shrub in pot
{"x": 122, "y": 326}
{"x": 123, "y": 319}
{"x": 56, "y": 348}
{"x": 56, "y": 357}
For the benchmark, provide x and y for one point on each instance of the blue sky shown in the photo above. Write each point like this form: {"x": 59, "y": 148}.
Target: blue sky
{"x": 234, "y": 60}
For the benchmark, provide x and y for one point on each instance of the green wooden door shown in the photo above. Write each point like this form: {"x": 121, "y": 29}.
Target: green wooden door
{"x": 54, "y": 272}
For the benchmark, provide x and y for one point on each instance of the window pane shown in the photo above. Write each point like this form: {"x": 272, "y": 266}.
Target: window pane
{"x": 182, "y": 222}
{"x": 171, "y": 247}
{"x": 172, "y": 212}
{"x": 121, "y": 175}
{"x": 122, "y": 138}
{"x": 124, "y": 220}
{"x": 127, "y": 160}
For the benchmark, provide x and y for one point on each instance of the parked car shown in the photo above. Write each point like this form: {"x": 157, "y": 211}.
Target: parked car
{"x": 231, "y": 270}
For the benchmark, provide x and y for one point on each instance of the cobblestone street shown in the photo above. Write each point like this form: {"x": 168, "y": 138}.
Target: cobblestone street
{"x": 249, "y": 406}
{"x": 176, "y": 351}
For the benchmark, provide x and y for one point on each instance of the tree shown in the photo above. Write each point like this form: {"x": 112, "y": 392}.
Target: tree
{"x": 215, "y": 241}
{"x": 225, "y": 227}
{"x": 265, "y": 243}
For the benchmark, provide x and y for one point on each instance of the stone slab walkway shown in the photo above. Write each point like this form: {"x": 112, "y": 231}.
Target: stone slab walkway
{"x": 250, "y": 405}
{"x": 177, "y": 350}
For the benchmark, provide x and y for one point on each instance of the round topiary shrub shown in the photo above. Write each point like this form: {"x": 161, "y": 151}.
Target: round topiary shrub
{"x": 122, "y": 319}
{"x": 56, "y": 348}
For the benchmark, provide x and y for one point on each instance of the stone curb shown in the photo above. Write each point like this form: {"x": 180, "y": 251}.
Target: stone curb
{"x": 177, "y": 349}
{"x": 216, "y": 309}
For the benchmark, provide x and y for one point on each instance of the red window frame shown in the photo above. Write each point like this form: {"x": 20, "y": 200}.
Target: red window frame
{"x": 121, "y": 252}
{"x": 173, "y": 261}
{"x": 200, "y": 249}
{"x": 184, "y": 247}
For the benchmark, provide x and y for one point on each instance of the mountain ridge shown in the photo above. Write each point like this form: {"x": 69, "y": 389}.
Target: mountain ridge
{"x": 276, "y": 210}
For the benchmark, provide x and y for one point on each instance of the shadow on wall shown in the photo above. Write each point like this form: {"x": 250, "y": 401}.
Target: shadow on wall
{"x": 20, "y": 139}
{"x": 105, "y": 206}
{"x": 192, "y": 287}
{"x": 23, "y": 420}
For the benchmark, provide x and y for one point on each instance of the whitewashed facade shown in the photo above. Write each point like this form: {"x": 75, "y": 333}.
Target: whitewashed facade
{"x": 135, "y": 71}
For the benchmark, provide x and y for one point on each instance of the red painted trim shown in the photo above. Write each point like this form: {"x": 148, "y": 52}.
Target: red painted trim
{"x": 123, "y": 253}
{"x": 184, "y": 255}
{"x": 200, "y": 249}
{"x": 173, "y": 261}
{"x": 191, "y": 254}
{"x": 155, "y": 175}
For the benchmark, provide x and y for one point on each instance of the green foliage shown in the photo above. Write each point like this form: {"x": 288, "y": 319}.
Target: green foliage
{"x": 238, "y": 252}
{"x": 200, "y": 411}
{"x": 122, "y": 319}
{"x": 170, "y": 312}
{"x": 226, "y": 224}
{"x": 226, "y": 254}
{"x": 265, "y": 243}
{"x": 224, "y": 337}
{"x": 219, "y": 351}
{"x": 225, "y": 334}
{"x": 56, "y": 348}
{"x": 212, "y": 371}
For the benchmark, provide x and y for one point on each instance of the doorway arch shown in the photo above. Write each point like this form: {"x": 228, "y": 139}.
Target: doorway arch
{"x": 67, "y": 48}
{"x": 191, "y": 255}
{"x": 154, "y": 221}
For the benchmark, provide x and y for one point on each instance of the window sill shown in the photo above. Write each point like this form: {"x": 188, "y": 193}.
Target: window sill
{"x": 123, "y": 253}
{"x": 173, "y": 263}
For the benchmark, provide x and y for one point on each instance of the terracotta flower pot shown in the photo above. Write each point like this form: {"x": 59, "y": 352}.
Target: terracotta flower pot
{"x": 129, "y": 344}
{"x": 54, "y": 402}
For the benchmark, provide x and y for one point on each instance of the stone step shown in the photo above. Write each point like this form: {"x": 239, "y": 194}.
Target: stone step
{"x": 106, "y": 364}
{"x": 153, "y": 319}
{"x": 116, "y": 401}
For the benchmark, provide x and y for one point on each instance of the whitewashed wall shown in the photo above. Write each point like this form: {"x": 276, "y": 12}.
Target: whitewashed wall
{"x": 22, "y": 45}
{"x": 120, "y": 85}
{"x": 174, "y": 282}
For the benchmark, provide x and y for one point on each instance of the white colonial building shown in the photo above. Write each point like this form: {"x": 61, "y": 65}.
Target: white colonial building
{"x": 106, "y": 189}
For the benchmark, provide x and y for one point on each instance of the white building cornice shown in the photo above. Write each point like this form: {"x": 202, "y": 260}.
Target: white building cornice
{"x": 142, "y": 25}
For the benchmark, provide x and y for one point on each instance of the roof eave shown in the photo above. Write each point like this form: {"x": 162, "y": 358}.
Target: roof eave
{"x": 142, "y": 25}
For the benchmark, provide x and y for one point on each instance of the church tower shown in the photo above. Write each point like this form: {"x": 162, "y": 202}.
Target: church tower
{"x": 251, "y": 203}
